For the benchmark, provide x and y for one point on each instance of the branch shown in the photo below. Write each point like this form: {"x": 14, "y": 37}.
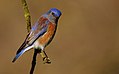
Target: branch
{"x": 34, "y": 61}
{"x": 27, "y": 15}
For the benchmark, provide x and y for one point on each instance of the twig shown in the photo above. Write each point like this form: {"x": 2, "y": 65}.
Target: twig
{"x": 27, "y": 15}
{"x": 34, "y": 61}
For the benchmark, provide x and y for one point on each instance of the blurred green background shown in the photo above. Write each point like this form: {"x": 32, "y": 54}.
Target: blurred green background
{"x": 86, "y": 42}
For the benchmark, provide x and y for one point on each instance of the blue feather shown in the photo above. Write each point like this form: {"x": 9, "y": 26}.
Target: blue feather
{"x": 20, "y": 53}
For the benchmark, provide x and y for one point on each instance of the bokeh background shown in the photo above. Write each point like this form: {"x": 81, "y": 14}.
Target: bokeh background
{"x": 86, "y": 42}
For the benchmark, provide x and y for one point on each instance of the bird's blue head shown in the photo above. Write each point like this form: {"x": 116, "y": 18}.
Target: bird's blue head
{"x": 55, "y": 12}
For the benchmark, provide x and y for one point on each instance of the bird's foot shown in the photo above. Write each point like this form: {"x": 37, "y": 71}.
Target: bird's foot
{"x": 46, "y": 60}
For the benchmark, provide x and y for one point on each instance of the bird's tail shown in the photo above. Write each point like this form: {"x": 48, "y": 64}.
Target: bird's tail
{"x": 20, "y": 53}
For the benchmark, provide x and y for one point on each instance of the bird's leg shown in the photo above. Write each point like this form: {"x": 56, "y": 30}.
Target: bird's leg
{"x": 45, "y": 57}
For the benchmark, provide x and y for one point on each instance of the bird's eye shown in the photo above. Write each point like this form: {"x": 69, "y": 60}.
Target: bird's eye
{"x": 53, "y": 14}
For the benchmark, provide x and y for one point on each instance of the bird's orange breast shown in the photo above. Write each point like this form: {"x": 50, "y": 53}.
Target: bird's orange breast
{"x": 48, "y": 35}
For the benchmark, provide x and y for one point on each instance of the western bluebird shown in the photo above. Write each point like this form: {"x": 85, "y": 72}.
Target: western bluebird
{"x": 42, "y": 32}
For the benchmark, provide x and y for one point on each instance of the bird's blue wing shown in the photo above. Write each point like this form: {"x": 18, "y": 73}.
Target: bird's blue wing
{"x": 37, "y": 30}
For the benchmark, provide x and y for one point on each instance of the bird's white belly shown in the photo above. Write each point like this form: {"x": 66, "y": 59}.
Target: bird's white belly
{"x": 38, "y": 45}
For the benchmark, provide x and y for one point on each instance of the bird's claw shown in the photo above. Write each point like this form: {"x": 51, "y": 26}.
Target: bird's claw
{"x": 46, "y": 60}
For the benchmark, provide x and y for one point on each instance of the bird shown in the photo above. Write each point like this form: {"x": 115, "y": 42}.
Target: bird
{"x": 41, "y": 33}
